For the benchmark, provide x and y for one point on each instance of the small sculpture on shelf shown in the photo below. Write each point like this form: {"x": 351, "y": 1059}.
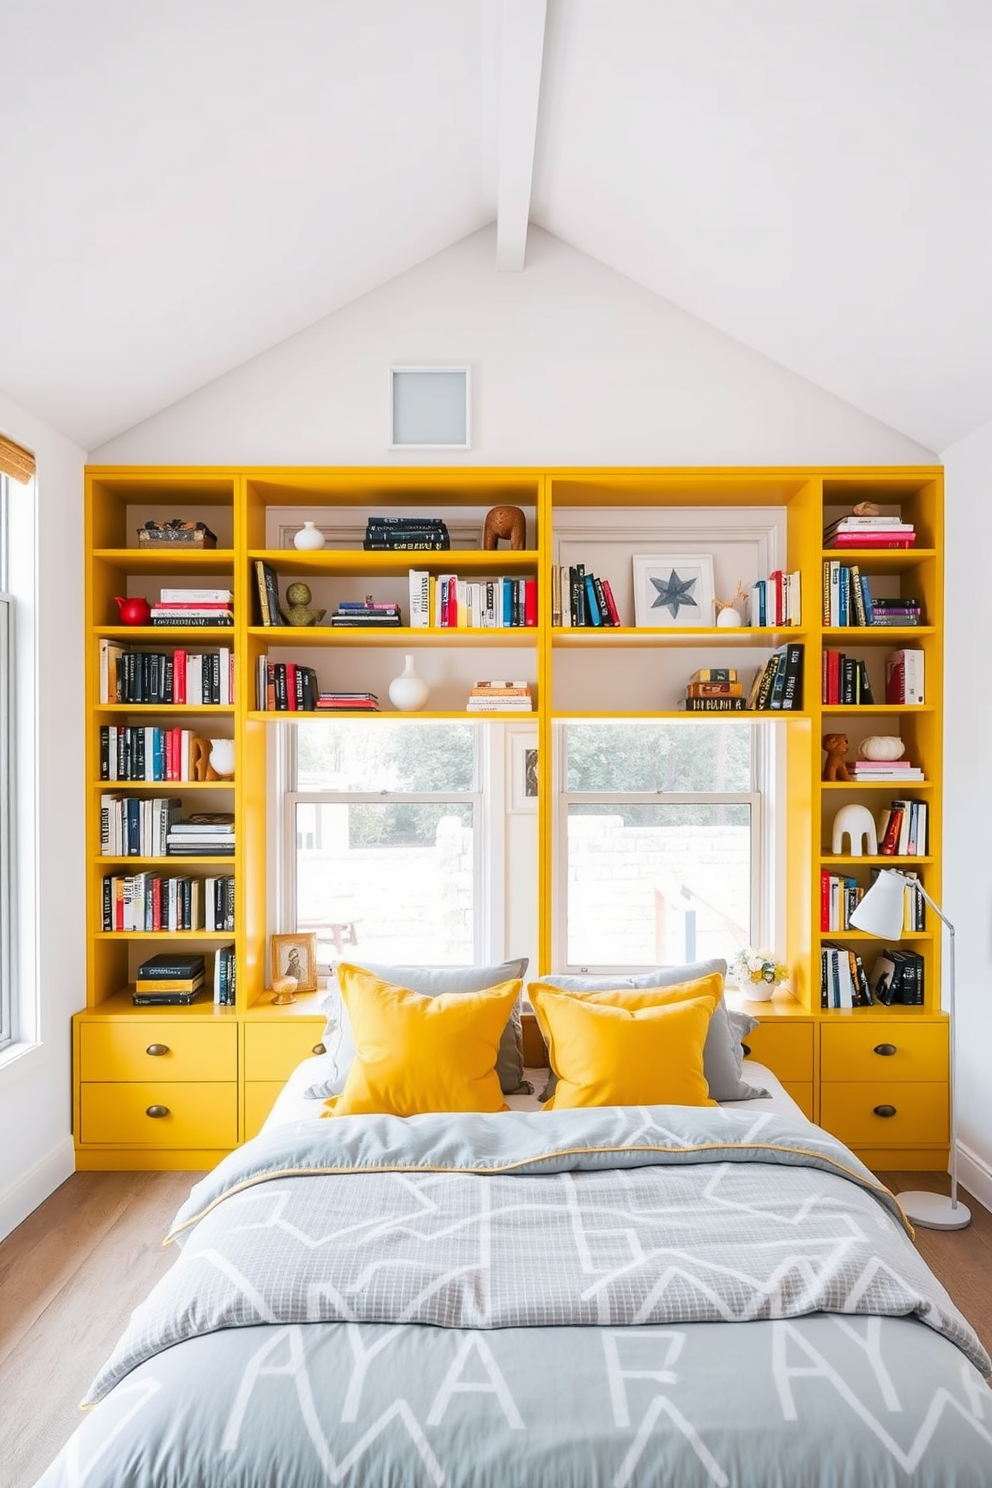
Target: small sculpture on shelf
{"x": 284, "y": 990}
{"x": 505, "y": 522}
{"x": 200, "y": 767}
{"x": 835, "y": 767}
{"x": 134, "y": 611}
{"x": 882, "y": 747}
{"x": 727, "y": 612}
{"x": 858, "y": 825}
{"x": 865, "y": 509}
{"x": 296, "y": 610}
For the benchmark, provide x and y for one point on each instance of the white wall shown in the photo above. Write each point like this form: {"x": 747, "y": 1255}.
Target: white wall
{"x": 968, "y": 798}
{"x": 571, "y": 364}
{"x": 35, "y": 1078}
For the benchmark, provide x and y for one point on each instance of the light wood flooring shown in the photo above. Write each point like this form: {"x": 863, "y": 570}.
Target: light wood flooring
{"x": 71, "y": 1274}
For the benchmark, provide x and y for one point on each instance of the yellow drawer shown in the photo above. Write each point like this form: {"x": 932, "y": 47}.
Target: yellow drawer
{"x": 273, "y": 1050}
{"x": 204, "y": 1115}
{"x": 260, "y": 1097}
{"x": 900, "y": 1050}
{"x": 184, "y": 1049}
{"x": 786, "y": 1048}
{"x": 850, "y": 1109}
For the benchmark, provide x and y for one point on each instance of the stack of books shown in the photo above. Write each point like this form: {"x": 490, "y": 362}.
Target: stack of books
{"x": 393, "y": 534}
{"x": 897, "y": 976}
{"x": 714, "y": 690}
{"x": 204, "y": 834}
{"x": 169, "y": 979}
{"x": 197, "y": 607}
{"x": 884, "y": 770}
{"x": 347, "y": 702}
{"x": 844, "y": 679}
{"x": 369, "y": 613}
{"x": 869, "y": 532}
{"x": 896, "y": 610}
{"x": 499, "y": 697}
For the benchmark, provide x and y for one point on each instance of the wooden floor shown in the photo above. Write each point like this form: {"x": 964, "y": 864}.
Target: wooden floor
{"x": 71, "y": 1274}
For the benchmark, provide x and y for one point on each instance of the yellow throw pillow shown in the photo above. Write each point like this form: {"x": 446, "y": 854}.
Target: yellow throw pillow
{"x": 416, "y": 1053}
{"x": 631, "y": 998}
{"x": 616, "y": 1055}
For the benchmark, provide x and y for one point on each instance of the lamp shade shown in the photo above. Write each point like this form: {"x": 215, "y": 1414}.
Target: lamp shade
{"x": 882, "y": 909}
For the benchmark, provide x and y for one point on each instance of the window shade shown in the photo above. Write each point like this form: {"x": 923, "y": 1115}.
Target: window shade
{"x": 16, "y": 462}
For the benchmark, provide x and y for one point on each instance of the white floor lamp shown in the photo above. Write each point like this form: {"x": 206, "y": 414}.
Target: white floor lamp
{"x": 881, "y": 912}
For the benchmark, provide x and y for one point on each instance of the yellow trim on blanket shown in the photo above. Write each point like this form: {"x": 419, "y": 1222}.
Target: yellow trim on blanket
{"x": 509, "y": 1167}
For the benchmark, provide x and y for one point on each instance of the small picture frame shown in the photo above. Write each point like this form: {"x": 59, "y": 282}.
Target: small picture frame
{"x": 295, "y": 955}
{"x": 673, "y": 590}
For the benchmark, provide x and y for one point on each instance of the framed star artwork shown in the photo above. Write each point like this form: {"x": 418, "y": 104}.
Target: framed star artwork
{"x": 673, "y": 589}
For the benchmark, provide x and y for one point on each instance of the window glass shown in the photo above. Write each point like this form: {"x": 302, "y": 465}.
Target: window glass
{"x": 661, "y": 832}
{"x": 384, "y": 830}
{"x": 7, "y": 1030}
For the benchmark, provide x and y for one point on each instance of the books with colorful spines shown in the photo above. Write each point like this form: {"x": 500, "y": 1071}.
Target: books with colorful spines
{"x": 195, "y": 596}
{"x": 714, "y": 689}
{"x": 611, "y": 604}
{"x": 867, "y": 524}
{"x": 172, "y": 965}
{"x": 888, "y": 843}
{"x": 778, "y": 681}
{"x": 904, "y": 672}
{"x": 714, "y": 704}
{"x": 715, "y": 674}
{"x": 368, "y": 606}
{"x": 792, "y": 687}
{"x": 761, "y": 685}
{"x": 371, "y": 619}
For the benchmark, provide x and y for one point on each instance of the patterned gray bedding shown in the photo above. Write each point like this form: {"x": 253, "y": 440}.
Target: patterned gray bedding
{"x": 655, "y": 1296}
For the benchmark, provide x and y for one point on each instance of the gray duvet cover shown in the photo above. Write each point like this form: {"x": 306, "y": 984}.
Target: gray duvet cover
{"x": 660, "y": 1296}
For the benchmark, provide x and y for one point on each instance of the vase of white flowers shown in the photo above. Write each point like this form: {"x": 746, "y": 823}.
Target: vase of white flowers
{"x": 758, "y": 973}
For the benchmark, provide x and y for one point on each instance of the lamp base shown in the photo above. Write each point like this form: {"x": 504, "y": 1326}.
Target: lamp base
{"x": 934, "y": 1211}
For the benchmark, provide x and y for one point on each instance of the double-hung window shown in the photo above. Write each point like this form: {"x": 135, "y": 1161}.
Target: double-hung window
{"x": 661, "y": 840}
{"x": 385, "y": 832}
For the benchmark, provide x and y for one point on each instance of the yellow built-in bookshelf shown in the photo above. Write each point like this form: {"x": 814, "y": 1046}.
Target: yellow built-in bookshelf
{"x": 177, "y": 1087}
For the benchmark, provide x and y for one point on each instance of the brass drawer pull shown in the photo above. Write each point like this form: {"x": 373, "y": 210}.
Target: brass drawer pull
{"x": 885, "y": 1049}
{"x": 885, "y": 1110}
{"x": 319, "y": 1049}
{"x": 157, "y": 1111}
{"x": 156, "y": 1049}
{"x": 747, "y": 1049}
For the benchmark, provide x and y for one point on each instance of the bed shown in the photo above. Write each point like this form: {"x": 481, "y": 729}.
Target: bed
{"x": 663, "y": 1295}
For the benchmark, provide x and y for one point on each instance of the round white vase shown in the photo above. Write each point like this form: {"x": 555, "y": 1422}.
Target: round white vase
{"x": 758, "y": 991}
{"x": 728, "y": 618}
{"x": 222, "y": 757}
{"x": 309, "y": 538}
{"x": 408, "y": 692}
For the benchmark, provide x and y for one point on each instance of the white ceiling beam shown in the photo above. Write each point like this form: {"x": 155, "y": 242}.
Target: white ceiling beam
{"x": 520, "y": 92}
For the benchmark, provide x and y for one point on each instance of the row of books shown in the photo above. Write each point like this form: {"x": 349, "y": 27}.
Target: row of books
{"x": 844, "y": 679}
{"x": 196, "y": 607}
{"x": 881, "y": 771}
{"x": 848, "y": 600}
{"x": 776, "y": 600}
{"x": 285, "y": 687}
{"x": 840, "y": 895}
{"x": 268, "y": 608}
{"x": 863, "y": 531}
{"x": 903, "y": 828}
{"x": 445, "y": 600}
{"x": 499, "y": 696}
{"x": 150, "y": 902}
{"x": 152, "y": 828}
{"x": 179, "y": 979}
{"x": 165, "y": 678}
{"x": 393, "y": 534}
{"x": 899, "y": 976}
{"x": 154, "y": 753}
{"x": 843, "y": 979}
{"x": 581, "y": 598}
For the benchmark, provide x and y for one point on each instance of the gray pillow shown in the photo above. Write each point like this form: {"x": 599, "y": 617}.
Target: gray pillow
{"x": 722, "y": 1052}
{"x": 431, "y": 981}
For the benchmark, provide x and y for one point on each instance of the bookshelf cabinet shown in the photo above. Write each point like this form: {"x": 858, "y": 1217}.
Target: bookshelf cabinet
{"x": 178, "y": 1087}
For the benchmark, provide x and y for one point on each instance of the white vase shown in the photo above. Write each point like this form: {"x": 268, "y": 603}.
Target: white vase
{"x": 309, "y": 538}
{"x": 729, "y": 617}
{"x": 408, "y": 692}
{"x": 222, "y": 757}
{"x": 758, "y": 991}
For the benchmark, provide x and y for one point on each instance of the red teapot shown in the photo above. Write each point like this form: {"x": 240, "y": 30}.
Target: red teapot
{"x": 133, "y": 611}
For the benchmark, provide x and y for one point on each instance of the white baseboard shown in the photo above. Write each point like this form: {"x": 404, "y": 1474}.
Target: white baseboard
{"x": 24, "y": 1196}
{"x": 975, "y": 1175}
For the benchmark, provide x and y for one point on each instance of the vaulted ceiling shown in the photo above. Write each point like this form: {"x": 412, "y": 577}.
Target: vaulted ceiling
{"x": 186, "y": 183}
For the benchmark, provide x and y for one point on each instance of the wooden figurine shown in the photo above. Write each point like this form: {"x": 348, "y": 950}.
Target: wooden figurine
{"x": 200, "y": 767}
{"x": 834, "y": 767}
{"x": 505, "y": 522}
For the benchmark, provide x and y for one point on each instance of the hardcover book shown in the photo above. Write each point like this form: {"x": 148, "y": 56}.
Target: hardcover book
{"x": 171, "y": 966}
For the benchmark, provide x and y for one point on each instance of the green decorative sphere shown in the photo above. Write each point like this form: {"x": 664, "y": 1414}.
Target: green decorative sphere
{"x": 298, "y": 594}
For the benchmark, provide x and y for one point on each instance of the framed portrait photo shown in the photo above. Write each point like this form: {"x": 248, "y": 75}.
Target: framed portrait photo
{"x": 295, "y": 955}
{"x": 673, "y": 589}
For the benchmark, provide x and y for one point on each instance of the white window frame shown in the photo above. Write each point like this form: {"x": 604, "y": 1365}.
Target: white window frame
{"x": 487, "y": 835}
{"x": 764, "y": 850}
{"x": 8, "y": 1009}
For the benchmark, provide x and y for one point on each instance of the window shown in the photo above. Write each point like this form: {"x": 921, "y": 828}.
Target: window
{"x": 7, "y": 1029}
{"x": 385, "y": 829}
{"x": 660, "y": 842}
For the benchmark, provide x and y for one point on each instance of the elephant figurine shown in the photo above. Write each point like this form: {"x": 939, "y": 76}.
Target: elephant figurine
{"x": 505, "y": 522}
